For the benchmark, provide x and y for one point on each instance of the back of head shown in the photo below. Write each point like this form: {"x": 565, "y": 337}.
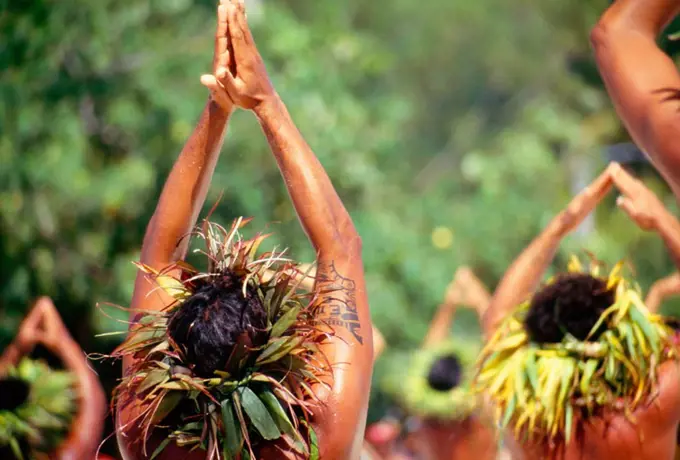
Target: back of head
{"x": 208, "y": 324}
{"x": 572, "y": 303}
{"x": 445, "y": 373}
{"x": 14, "y": 393}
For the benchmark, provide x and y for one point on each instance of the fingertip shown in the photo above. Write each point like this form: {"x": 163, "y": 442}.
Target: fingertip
{"x": 208, "y": 80}
{"x": 221, "y": 73}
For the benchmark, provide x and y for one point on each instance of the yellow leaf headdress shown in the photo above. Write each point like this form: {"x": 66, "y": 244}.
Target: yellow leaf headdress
{"x": 539, "y": 389}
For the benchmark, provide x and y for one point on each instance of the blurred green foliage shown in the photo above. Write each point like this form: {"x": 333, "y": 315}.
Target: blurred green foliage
{"x": 453, "y": 130}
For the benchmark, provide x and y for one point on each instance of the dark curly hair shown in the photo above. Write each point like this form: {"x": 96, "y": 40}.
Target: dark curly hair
{"x": 445, "y": 373}
{"x": 13, "y": 393}
{"x": 573, "y": 303}
{"x": 207, "y": 325}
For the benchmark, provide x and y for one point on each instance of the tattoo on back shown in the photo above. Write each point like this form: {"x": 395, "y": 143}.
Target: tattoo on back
{"x": 340, "y": 311}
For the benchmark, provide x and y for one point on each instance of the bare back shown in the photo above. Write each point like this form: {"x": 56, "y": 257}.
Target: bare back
{"x": 652, "y": 436}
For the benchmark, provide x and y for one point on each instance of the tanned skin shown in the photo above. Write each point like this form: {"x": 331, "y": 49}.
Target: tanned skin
{"x": 665, "y": 287}
{"x": 43, "y": 326}
{"x": 307, "y": 276}
{"x": 641, "y": 79}
{"x": 610, "y": 435}
{"x": 239, "y": 79}
{"x": 471, "y": 438}
{"x": 465, "y": 289}
{"x": 437, "y": 440}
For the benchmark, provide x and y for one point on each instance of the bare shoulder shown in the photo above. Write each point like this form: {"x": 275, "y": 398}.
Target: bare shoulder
{"x": 664, "y": 407}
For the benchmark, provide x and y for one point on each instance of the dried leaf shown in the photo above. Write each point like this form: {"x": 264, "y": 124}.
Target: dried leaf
{"x": 167, "y": 405}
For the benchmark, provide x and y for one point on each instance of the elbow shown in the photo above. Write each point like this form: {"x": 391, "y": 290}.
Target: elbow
{"x": 488, "y": 323}
{"x": 348, "y": 238}
{"x": 601, "y": 36}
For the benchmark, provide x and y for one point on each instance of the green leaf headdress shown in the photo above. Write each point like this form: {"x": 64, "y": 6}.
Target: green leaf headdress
{"x": 539, "y": 390}
{"x": 417, "y": 397}
{"x": 265, "y": 392}
{"x": 44, "y": 420}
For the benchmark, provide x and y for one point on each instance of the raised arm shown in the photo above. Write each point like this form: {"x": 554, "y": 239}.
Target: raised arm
{"x": 641, "y": 80}
{"x": 665, "y": 287}
{"x": 43, "y": 326}
{"x": 526, "y": 271}
{"x": 649, "y": 213}
{"x": 185, "y": 189}
{"x": 341, "y": 293}
{"x": 465, "y": 289}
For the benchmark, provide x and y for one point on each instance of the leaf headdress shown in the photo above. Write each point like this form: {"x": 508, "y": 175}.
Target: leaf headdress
{"x": 540, "y": 390}
{"x": 265, "y": 392}
{"x": 417, "y": 397}
{"x": 42, "y": 422}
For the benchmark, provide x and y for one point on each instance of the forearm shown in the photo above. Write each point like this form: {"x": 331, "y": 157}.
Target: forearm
{"x": 669, "y": 230}
{"x": 440, "y": 325}
{"x": 521, "y": 279}
{"x": 10, "y": 357}
{"x": 185, "y": 190}
{"x": 640, "y": 77}
{"x": 88, "y": 425}
{"x": 321, "y": 212}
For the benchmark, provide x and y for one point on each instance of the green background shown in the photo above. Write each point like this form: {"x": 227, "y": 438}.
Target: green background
{"x": 453, "y": 131}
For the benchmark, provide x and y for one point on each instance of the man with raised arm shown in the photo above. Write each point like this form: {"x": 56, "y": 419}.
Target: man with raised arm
{"x": 434, "y": 388}
{"x": 229, "y": 361}
{"x": 582, "y": 369}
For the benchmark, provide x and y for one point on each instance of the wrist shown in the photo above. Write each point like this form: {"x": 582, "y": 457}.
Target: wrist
{"x": 269, "y": 107}
{"x": 219, "y": 109}
{"x": 666, "y": 224}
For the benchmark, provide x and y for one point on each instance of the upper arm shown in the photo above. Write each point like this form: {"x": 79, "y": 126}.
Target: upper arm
{"x": 643, "y": 83}
{"x": 341, "y": 302}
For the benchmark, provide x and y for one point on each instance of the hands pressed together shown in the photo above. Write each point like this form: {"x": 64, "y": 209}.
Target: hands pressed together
{"x": 638, "y": 201}
{"x": 239, "y": 77}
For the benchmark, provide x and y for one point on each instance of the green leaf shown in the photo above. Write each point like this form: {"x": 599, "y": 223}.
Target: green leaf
{"x": 16, "y": 450}
{"x": 278, "y": 349}
{"x": 314, "y": 444}
{"x": 153, "y": 378}
{"x": 285, "y": 322}
{"x": 258, "y": 414}
{"x": 160, "y": 447}
{"x": 509, "y": 411}
{"x": 282, "y": 421}
{"x": 167, "y": 405}
{"x": 233, "y": 441}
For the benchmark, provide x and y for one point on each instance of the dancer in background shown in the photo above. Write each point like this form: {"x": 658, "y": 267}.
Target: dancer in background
{"x": 556, "y": 366}
{"x": 435, "y": 389}
{"x": 232, "y": 362}
{"x": 665, "y": 287}
{"x": 45, "y": 412}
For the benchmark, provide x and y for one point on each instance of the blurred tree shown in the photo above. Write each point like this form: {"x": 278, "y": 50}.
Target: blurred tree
{"x": 453, "y": 131}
